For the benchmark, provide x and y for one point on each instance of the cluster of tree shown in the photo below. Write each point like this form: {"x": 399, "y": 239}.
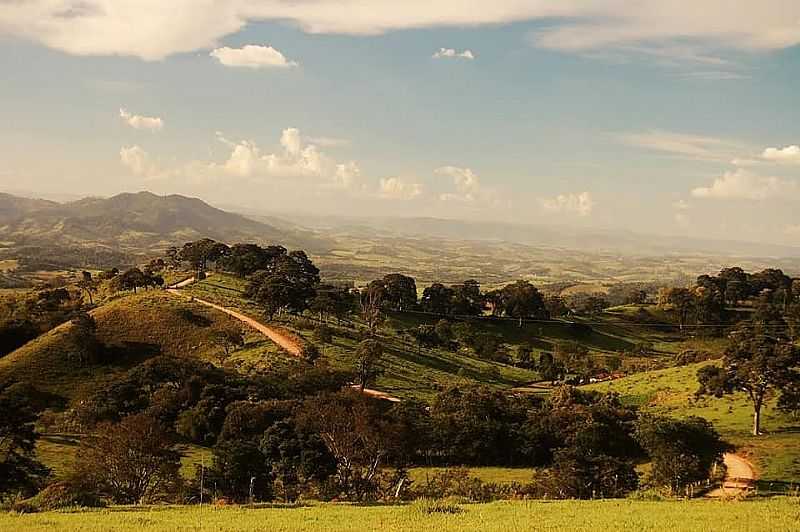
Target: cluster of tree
{"x": 24, "y": 316}
{"x": 734, "y": 285}
{"x": 309, "y": 434}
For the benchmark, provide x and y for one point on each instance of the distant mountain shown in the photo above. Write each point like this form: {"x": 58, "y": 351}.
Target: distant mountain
{"x": 134, "y": 223}
{"x": 14, "y": 207}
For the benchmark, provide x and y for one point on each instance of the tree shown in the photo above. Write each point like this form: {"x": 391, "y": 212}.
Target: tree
{"x": 682, "y": 451}
{"x": 20, "y": 472}
{"x": 130, "y": 280}
{"x": 371, "y": 301}
{"x": 83, "y": 333}
{"x": 357, "y": 431}
{"x": 522, "y": 300}
{"x": 201, "y": 252}
{"x": 130, "y": 462}
{"x": 228, "y": 336}
{"x": 400, "y": 291}
{"x": 297, "y": 458}
{"x": 437, "y": 299}
{"x": 761, "y": 360}
{"x": 368, "y": 355}
{"x": 240, "y": 471}
{"x": 679, "y": 300}
{"x": 288, "y": 283}
{"x": 246, "y": 259}
{"x": 87, "y": 285}
{"x": 467, "y": 299}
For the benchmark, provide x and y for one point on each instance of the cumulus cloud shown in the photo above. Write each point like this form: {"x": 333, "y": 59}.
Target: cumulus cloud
{"x": 789, "y": 154}
{"x": 152, "y": 123}
{"x": 396, "y": 188}
{"x": 295, "y": 159}
{"x": 247, "y": 160}
{"x": 139, "y": 162}
{"x": 252, "y": 56}
{"x": 580, "y": 204}
{"x": 151, "y": 30}
{"x": 745, "y": 185}
{"x": 445, "y": 53}
{"x": 467, "y": 184}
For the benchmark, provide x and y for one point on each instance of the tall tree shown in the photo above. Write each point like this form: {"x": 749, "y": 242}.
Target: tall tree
{"x": 87, "y": 285}
{"x": 368, "y": 355}
{"x": 20, "y": 472}
{"x": 131, "y": 462}
{"x": 762, "y": 359}
{"x": 400, "y": 291}
{"x": 522, "y": 300}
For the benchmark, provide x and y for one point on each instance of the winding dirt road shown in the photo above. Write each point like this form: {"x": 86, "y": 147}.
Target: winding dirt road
{"x": 280, "y": 338}
{"x": 739, "y": 478}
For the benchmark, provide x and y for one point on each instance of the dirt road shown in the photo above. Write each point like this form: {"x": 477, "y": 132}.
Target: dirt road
{"x": 739, "y": 478}
{"x": 283, "y": 340}
{"x": 279, "y": 337}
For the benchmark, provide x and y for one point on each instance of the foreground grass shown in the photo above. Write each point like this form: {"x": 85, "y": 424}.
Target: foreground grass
{"x": 774, "y": 514}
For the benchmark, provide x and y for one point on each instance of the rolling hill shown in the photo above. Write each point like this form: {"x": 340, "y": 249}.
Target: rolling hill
{"x": 101, "y": 231}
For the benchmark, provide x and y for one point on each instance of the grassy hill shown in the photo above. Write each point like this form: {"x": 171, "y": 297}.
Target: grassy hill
{"x": 132, "y": 329}
{"x": 776, "y": 454}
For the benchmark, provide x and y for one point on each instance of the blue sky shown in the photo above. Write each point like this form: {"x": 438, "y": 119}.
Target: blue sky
{"x": 654, "y": 118}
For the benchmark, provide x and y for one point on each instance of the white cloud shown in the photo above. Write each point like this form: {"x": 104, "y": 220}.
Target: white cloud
{"x": 396, "y": 188}
{"x": 684, "y": 145}
{"x": 742, "y": 184}
{"x": 140, "y": 163}
{"x": 247, "y": 160}
{"x": 467, "y": 184}
{"x": 152, "y": 123}
{"x": 154, "y": 29}
{"x": 789, "y": 154}
{"x": 577, "y": 204}
{"x": 445, "y": 53}
{"x": 252, "y": 56}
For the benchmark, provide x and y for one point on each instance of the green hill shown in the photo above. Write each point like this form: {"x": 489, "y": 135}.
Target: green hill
{"x": 131, "y": 329}
{"x": 776, "y": 454}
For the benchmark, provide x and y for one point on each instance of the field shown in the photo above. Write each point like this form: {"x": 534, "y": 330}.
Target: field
{"x": 404, "y": 363}
{"x": 778, "y": 514}
{"x": 776, "y": 454}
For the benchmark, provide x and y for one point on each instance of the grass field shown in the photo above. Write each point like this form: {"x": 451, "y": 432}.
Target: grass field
{"x": 776, "y": 454}
{"x": 777, "y": 514}
{"x": 407, "y": 371}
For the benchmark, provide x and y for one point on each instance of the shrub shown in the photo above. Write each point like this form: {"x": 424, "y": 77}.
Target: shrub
{"x": 60, "y": 495}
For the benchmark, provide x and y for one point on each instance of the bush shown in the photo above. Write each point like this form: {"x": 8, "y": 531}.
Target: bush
{"x": 60, "y": 495}
{"x": 457, "y": 482}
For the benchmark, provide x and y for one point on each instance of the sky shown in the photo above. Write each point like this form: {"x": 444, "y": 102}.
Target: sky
{"x": 676, "y": 118}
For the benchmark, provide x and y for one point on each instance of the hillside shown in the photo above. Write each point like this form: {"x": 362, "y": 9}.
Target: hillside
{"x": 776, "y": 454}
{"x": 130, "y": 224}
{"x": 132, "y": 329}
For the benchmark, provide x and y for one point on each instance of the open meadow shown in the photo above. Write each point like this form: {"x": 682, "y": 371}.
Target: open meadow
{"x": 775, "y": 515}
